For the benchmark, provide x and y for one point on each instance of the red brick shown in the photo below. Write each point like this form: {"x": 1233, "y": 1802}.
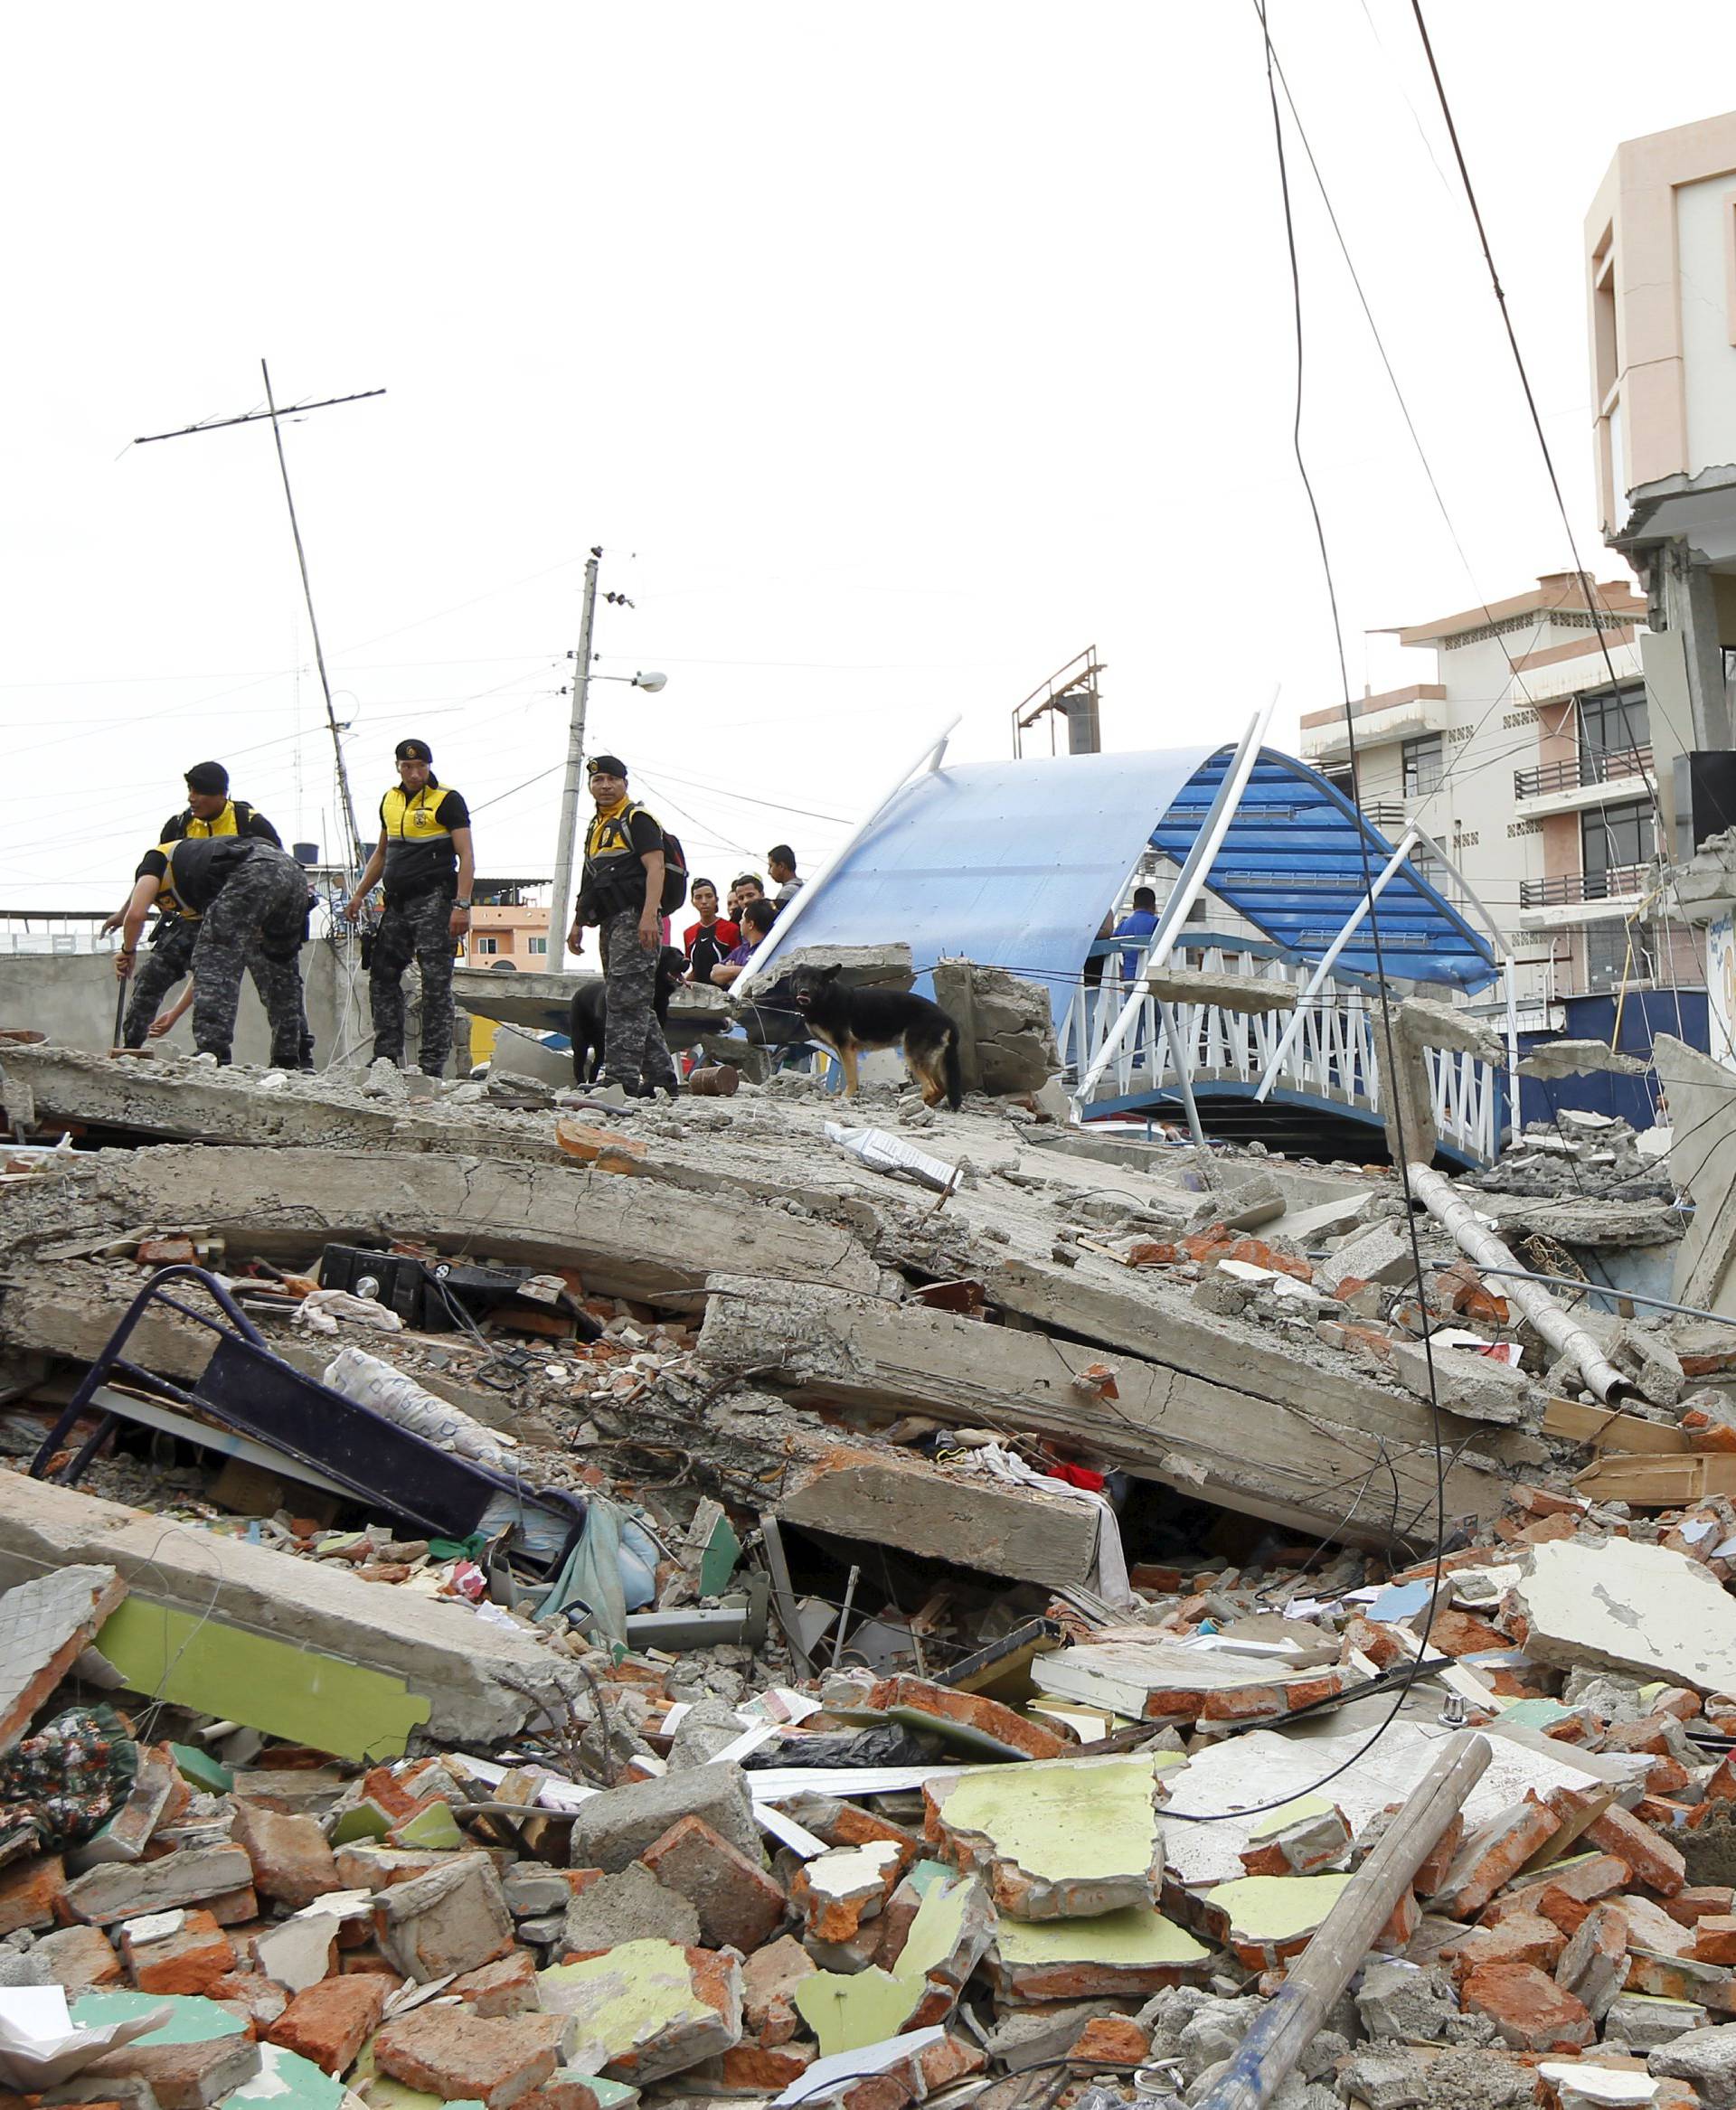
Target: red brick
{"x": 1460, "y": 1634}
{"x": 974, "y": 1711}
{"x": 29, "y": 1892}
{"x": 952, "y": 2059}
{"x": 1111, "y": 2040}
{"x": 1530, "y": 2012}
{"x": 760, "y": 2068}
{"x": 1433, "y": 1871}
{"x": 507, "y": 1987}
{"x": 1521, "y": 1937}
{"x": 251, "y": 1996}
{"x": 190, "y": 1960}
{"x": 739, "y": 1905}
{"x": 292, "y": 1863}
{"x": 1701, "y": 1900}
{"x": 1648, "y": 1734}
{"x": 1492, "y": 1856}
{"x": 330, "y": 2022}
{"x": 1654, "y": 1861}
{"x": 1715, "y": 1938}
{"x": 495, "y": 2058}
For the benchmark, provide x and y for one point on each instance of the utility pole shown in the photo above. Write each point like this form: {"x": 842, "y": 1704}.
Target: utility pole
{"x": 573, "y": 789}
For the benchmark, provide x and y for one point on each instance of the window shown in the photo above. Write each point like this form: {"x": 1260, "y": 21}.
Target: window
{"x": 538, "y": 945}
{"x": 1612, "y": 723}
{"x": 1424, "y": 762}
{"x": 1607, "y": 958}
{"x": 487, "y": 944}
{"x": 1611, "y": 843}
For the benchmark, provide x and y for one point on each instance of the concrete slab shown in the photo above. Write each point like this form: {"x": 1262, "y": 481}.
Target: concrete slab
{"x": 1625, "y": 1607}
{"x": 45, "y": 1625}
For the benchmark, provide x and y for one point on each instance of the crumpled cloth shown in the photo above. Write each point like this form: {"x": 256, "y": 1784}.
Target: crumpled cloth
{"x": 69, "y": 1779}
{"x": 316, "y": 1309}
{"x": 1109, "y": 1561}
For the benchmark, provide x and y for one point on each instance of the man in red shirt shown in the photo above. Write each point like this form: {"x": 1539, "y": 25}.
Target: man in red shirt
{"x": 711, "y": 938}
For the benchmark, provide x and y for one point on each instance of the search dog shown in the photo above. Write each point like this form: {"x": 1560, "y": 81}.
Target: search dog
{"x": 587, "y": 1020}
{"x": 850, "y": 1019}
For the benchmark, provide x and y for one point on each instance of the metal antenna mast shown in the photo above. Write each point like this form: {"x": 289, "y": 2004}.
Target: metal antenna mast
{"x": 354, "y": 843}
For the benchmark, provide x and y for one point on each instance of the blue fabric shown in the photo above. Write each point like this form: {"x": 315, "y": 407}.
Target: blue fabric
{"x": 1136, "y": 923}
{"x": 1016, "y": 864}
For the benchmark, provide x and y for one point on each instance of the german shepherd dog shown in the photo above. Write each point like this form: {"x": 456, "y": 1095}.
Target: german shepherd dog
{"x": 850, "y": 1019}
{"x": 587, "y": 1021}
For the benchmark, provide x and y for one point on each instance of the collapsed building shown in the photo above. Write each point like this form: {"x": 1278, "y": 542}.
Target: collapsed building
{"x": 511, "y": 1599}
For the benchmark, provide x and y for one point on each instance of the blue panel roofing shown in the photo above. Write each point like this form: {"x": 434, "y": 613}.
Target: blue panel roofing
{"x": 1015, "y": 864}
{"x": 1293, "y": 862}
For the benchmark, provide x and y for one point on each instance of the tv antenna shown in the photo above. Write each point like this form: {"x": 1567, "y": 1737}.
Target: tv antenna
{"x": 276, "y": 415}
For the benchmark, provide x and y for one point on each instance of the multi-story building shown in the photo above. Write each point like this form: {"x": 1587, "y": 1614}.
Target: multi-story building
{"x": 507, "y": 925}
{"x": 1660, "y": 262}
{"x": 1545, "y": 783}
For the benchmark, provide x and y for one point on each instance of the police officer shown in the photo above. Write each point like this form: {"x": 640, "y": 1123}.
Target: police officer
{"x": 247, "y": 902}
{"x": 209, "y": 811}
{"x": 622, "y": 894}
{"x": 426, "y": 853}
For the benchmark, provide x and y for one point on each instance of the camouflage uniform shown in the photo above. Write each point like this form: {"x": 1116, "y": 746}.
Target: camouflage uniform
{"x": 419, "y": 928}
{"x": 256, "y": 921}
{"x": 169, "y": 961}
{"x": 634, "y": 1048}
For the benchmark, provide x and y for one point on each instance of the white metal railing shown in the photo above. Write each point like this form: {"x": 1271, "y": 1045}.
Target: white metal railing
{"x": 1335, "y": 1056}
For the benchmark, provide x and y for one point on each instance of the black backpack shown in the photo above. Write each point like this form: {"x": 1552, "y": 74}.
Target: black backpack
{"x": 674, "y": 872}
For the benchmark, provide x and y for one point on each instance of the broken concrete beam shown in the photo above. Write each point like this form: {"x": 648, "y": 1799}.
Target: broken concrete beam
{"x": 1381, "y": 1253}
{"x": 1282, "y": 1453}
{"x": 46, "y": 1623}
{"x": 1479, "y": 1387}
{"x": 553, "y": 1215}
{"x": 613, "y": 1828}
{"x": 1239, "y": 1204}
{"x": 1250, "y": 994}
{"x": 1553, "y": 1058}
{"x": 1006, "y": 1026}
{"x": 1620, "y": 1604}
{"x": 891, "y": 1498}
{"x": 454, "y": 1667}
{"x": 1703, "y": 1161}
{"x": 646, "y": 2009}
{"x": 1064, "y": 1840}
{"x": 860, "y": 966}
{"x": 1163, "y": 1679}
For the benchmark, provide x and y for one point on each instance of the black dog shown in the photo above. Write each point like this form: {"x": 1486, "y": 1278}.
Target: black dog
{"x": 851, "y": 1020}
{"x": 588, "y": 1021}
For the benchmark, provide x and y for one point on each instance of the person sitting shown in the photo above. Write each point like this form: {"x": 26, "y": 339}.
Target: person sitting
{"x": 757, "y": 919}
{"x": 780, "y": 862}
{"x": 712, "y": 938}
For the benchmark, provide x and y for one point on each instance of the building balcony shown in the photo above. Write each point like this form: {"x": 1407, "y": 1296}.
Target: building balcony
{"x": 1398, "y": 714}
{"x": 1574, "y": 898}
{"x": 1582, "y": 782}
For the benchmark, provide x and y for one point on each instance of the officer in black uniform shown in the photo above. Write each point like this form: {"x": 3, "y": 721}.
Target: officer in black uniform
{"x": 247, "y": 900}
{"x": 426, "y": 853}
{"x": 210, "y": 812}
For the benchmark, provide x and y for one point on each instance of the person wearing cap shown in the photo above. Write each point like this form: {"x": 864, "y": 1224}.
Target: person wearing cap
{"x": 209, "y": 811}
{"x": 780, "y": 862}
{"x": 621, "y": 894}
{"x": 246, "y": 901}
{"x": 429, "y": 861}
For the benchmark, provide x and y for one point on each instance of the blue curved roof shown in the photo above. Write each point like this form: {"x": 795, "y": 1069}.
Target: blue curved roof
{"x": 1293, "y": 864}
{"x": 1015, "y": 864}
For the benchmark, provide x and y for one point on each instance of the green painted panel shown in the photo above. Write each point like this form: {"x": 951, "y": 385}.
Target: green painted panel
{"x": 266, "y": 1684}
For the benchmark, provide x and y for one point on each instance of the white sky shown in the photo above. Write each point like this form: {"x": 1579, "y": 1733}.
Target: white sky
{"x": 892, "y": 353}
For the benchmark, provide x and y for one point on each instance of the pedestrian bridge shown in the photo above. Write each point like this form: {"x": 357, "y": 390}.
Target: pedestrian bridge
{"x": 1016, "y": 864}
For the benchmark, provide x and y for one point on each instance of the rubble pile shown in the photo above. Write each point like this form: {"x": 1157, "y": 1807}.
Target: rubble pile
{"x": 520, "y": 1601}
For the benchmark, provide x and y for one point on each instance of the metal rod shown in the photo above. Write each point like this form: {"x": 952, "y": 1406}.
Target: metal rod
{"x": 1184, "y": 1082}
{"x": 566, "y": 846}
{"x": 1298, "y": 1017}
{"x": 354, "y": 833}
{"x": 1441, "y": 1200}
{"x": 843, "y": 1616}
{"x": 256, "y": 417}
{"x": 1657, "y": 1303}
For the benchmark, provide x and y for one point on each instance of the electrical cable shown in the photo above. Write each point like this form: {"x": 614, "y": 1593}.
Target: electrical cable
{"x": 1404, "y": 1690}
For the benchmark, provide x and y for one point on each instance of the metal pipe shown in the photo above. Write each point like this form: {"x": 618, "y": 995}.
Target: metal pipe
{"x": 1441, "y": 1200}
{"x": 1183, "y": 1081}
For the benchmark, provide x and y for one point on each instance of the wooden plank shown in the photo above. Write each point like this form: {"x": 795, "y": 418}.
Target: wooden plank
{"x": 1577, "y": 1423}
{"x": 1659, "y": 1483}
